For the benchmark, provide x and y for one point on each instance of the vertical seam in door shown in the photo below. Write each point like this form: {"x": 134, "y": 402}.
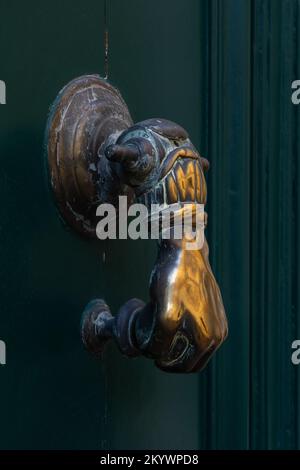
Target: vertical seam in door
{"x": 251, "y": 221}
{"x": 106, "y": 40}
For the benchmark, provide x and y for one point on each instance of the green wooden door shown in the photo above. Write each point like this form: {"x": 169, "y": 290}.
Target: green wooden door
{"x": 53, "y": 395}
{"x": 250, "y": 57}
{"x": 222, "y": 69}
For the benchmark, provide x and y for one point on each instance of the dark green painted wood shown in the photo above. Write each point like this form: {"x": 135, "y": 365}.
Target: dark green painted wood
{"x": 254, "y": 207}
{"x": 56, "y": 396}
{"x": 229, "y": 152}
{"x": 155, "y": 61}
{"x": 52, "y": 394}
{"x": 274, "y": 233}
{"x": 223, "y": 69}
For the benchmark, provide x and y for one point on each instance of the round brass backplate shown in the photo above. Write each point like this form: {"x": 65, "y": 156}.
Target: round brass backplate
{"x": 85, "y": 114}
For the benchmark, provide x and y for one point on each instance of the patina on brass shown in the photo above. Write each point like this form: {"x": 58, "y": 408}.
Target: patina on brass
{"x": 86, "y": 113}
{"x": 154, "y": 161}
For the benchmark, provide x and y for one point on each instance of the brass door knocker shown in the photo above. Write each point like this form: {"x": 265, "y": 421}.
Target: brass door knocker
{"x": 96, "y": 154}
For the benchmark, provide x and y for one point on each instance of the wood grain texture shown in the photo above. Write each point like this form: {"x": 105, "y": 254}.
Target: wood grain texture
{"x": 252, "y": 144}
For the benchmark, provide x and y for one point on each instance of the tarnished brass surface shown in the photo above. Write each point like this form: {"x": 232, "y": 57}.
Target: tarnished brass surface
{"x": 86, "y": 112}
{"x": 184, "y": 321}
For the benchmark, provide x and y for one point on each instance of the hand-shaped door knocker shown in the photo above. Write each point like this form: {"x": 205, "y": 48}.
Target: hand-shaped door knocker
{"x": 96, "y": 154}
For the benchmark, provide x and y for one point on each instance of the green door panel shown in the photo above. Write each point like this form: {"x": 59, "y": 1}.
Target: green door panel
{"x": 228, "y": 149}
{"x": 53, "y": 394}
{"x": 252, "y": 58}
{"x": 222, "y": 69}
{"x": 275, "y": 230}
{"x": 149, "y": 61}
